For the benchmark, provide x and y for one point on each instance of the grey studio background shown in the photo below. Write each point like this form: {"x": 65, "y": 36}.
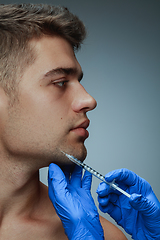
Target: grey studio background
{"x": 121, "y": 64}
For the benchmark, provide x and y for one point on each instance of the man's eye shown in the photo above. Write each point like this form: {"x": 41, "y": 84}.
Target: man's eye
{"x": 61, "y": 83}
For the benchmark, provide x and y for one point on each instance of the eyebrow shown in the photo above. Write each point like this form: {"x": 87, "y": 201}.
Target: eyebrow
{"x": 66, "y": 71}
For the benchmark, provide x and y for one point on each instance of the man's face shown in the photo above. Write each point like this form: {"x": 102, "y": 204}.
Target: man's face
{"x": 51, "y": 112}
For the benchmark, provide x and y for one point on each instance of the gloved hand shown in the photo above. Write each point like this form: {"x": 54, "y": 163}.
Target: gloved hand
{"x": 74, "y": 204}
{"x": 139, "y": 215}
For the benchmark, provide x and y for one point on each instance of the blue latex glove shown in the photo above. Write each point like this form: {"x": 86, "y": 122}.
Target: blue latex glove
{"x": 139, "y": 215}
{"x": 74, "y": 204}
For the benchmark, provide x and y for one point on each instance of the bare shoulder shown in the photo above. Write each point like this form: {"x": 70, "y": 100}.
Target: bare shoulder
{"x": 111, "y": 232}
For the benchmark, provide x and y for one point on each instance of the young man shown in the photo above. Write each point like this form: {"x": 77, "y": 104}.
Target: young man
{"x": 43, "y": 111}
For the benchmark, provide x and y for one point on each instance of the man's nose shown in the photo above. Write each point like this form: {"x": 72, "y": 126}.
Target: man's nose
{"x": 83, "y": 101}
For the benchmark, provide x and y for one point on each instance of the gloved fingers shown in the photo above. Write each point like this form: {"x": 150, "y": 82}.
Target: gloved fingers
{"x": 113, "y": 210}
{"x": 122, "y": 175}
{"x": 113, "y": 198}
{"x": 143, "y": 205}
{"x": 50, "y": 190}
{"x": 104, "y": 189}
{"x": 57, "y": 181}
{"x": 152, "y": 197}
{"x": 67, "y": 172}
{"x": 87, "y": 181}
{"x": 67, "y": 175}
{"x": 76, "y": 177}
{"x": 103, "y": 201}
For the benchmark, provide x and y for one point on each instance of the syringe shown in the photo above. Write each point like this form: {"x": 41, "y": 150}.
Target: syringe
{"x": 96, "y": 174}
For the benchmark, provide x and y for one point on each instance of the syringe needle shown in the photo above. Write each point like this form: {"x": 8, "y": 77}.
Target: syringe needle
{"x": 96, "y": 174}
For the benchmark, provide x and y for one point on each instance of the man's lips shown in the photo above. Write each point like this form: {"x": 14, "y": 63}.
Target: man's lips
{"x": 80, "y": 129}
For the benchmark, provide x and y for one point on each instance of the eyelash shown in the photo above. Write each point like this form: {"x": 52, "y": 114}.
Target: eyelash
{"x": 60, "y": 84}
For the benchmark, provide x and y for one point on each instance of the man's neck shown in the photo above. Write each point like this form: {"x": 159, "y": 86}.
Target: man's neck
{"x": 26, "y": 211}
{"x": 20, "y": 189}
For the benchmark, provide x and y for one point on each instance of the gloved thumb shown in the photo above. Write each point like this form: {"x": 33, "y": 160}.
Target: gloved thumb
{"x": 87, "y": 181}
{"x": 57, "y": 180}
{"x": 143, "y": 205}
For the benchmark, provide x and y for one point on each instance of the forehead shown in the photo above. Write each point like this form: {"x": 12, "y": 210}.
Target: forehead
{"x": 54, "y": 52}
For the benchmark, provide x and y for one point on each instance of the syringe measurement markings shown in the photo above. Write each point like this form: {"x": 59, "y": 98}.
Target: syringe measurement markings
{"x": 96, "y": 174}
{"x": 102, "y": 178}
{"x": 88, "y": 168}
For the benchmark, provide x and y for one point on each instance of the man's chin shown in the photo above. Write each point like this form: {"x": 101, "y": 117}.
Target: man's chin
{"x": 59, "y": 158}
{"x": 79, "y": 153}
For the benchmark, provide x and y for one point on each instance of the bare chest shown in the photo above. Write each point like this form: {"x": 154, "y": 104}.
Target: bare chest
{"x": 32, "y": 231}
